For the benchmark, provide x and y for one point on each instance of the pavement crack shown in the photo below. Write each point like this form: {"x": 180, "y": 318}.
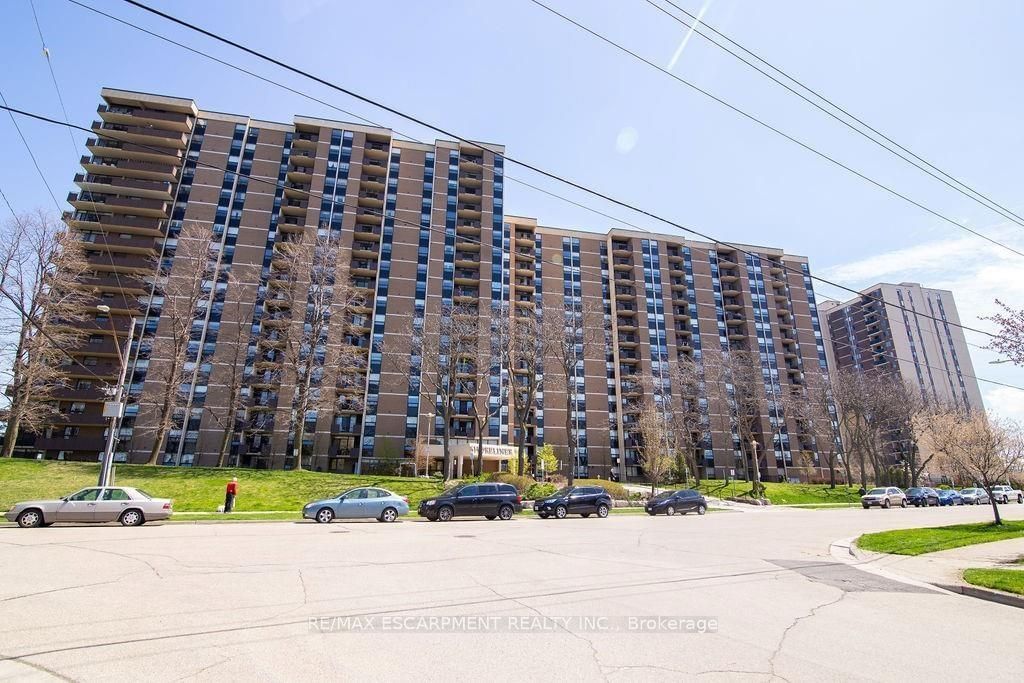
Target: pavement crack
{"x": 785, "y": 634}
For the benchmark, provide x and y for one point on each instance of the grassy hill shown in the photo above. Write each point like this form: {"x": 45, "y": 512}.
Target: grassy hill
{"x": 784, "y": 494}
{"x": 197, "y": 488}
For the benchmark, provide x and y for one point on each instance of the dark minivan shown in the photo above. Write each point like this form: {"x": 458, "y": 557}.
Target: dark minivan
{"x": 575, "y": 500}
{"x": 671, "y": 502}
{"x": 488, "y": 500}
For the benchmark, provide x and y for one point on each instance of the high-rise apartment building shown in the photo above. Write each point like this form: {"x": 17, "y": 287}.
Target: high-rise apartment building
{"x": 424, "y": 228}
{"x": 905, "y": 331}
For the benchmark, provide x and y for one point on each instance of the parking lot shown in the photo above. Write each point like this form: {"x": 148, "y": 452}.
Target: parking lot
{"x": 742, "y": 596}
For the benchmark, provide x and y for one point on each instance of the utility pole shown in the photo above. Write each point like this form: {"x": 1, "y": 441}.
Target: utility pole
{"x": 115, "y": 409}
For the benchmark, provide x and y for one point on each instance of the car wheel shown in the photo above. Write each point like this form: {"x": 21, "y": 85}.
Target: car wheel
{"x": 505, "y": 513}
{"x": 903, "y": 503}
{"x": 560, "y": 512}
{"x": 977, "y": 501}
{"x": 389, "y": 515}
{"x": 30, "y": 518}
{"x": 445, "y": 513}
{"x": 324, "y": 516}
{"x": 886, "y": 503}
{"x": 652, "y": 513}
{"x": 132, "y": 518}
{"x": 602, "y": 510}
{"x": 584, "y": 515}
{"x": 490, "y": 517}
{"x": 542, "y": 515}
{"x": 1020, "y": 499}
{"x": 866, "y": 507}
{"x": 701, "y": 509}
{"x": 670, "y": 511}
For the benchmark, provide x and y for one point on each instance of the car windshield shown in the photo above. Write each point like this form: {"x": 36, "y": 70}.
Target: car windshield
{"x": 664, "y": 495}
{"x": 876, "y": 492}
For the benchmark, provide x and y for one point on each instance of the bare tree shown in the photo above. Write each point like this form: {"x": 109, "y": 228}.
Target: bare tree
{"x": 654, "y": 450}
{"x": 231, "y": 358}
{"x": 812, "y": 408}
{"x": 478, "y": 387}
{"x": 186, "y": 288}
{"x": 571, "y": 332}
{"x": 688, "y": 415}
{"x": 1009, "y": 339}
{"x": 864, "y": 404}
{"x": 523, "y": 349}
{"x": 40, "y": 315}
{"x": 440, "y": 353}
{"x": 906, "y": 411}
{"x": 317, "y": 362}
{"x": 735, "y": 377}
{"x": 979, "y": 448}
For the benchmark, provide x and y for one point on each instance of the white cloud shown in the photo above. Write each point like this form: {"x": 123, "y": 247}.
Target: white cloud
{"x": 977, "y": 273}
{"x": 626, "y": 140}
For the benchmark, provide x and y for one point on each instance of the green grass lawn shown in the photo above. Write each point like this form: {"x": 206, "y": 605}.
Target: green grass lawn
{"x": 783, "y": 494}
{"x": 933, "y": 539}
{"x": 1009, "y": 580}
{"x": 197, "y": 488}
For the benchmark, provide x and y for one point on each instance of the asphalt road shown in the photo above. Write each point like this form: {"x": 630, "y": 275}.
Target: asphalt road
{"x": 756, "y": 596}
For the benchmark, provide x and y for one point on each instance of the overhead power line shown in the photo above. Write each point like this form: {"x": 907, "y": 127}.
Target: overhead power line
{"x": 548, "y": 174}
{"x": 309, "y": 194}
{"x": 53, "y": 76}
{"x": 866, "y": 130}
{"x": 762, "y": 123}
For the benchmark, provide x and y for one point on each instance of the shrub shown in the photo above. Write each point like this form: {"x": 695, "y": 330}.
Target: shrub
{"x": 522, "y": 484}
{"x": 538, "y": 491}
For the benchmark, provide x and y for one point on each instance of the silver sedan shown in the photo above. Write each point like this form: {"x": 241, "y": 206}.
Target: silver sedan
{"x": 129, "y": 506}
{"x": 367, "y": 502}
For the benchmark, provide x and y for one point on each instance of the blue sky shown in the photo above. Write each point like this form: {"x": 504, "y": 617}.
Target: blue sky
{"x": 943, "y": 82}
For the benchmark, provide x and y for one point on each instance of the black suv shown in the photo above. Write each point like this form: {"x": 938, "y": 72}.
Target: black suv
{"x": 922, "y": 496}
{"x": 671, "y": 502}
{"x": 575, "y": 500}
{"x": 473, "y": 500}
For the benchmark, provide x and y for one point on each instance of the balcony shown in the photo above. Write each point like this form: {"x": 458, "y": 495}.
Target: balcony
{"x": 125, "y": 243}
{"x": 102, "y": 203}
{"x": 304, "y": 141}
{"x": 127, "y": 168}
{"x": 305, "y": 159}
{"x": 121, "y": 263}
{"x": 469, "y": 211}
{"x": 148, "y": 118}
{"x": 141, "y": 135}
{"x": 373, "y": 200}
{"x": 363, "y": 267}
{"x": 375, "y": 150}
{"x": 735, "y": 320}
{"x": 115, "y": 149}
{"x": 627, "y": 324}
{"x": 471, "y": 163}
{"x": 149, "y": 189}
{"x": 294, "y": 207}
{"x": 731, "y": 291}
{"x": 369, "y": 216}
{"x": 296, "y": 190}
{"x": 364, "y": 250}
{"x": 467, "y": 245}
{"x": 372, "y": 182}
{"x": 465, "y": 259}
{"x": 471, "y": 179}
{"x": 622, "y": 264}
{"x": 101, "y": 283}
{"x": 467, "y": 276}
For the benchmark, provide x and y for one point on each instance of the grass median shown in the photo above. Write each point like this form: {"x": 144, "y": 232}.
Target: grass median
{"x": 1009, "y": 580}
{"x": 934, "y": 539}
{"x": 784, "y": 494}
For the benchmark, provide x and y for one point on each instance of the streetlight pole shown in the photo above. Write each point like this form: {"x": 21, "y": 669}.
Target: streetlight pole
{"x": 757, "y": 467}
{"x": 115, "y": 409}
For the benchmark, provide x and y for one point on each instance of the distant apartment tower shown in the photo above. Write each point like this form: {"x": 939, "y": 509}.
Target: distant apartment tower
{"x": 905, "y": 331}
{"x": 422, "y": 223}
{"x": 665, "y": 297}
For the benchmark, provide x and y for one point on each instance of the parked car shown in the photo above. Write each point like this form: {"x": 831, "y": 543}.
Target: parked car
{"x": 884, "y": 498}
{"x": 490, "y": 500}
{"x": 1004, "y": 494}
{"x": 922, "y": 496}
{"x": 974, "y": 496}
{"x": 129, "y": 506}
{"x": 682, "y": 501}
{"x": 950, "y": 497}
{"x": 575, "y": 500}
{"x": 367, "y": 502}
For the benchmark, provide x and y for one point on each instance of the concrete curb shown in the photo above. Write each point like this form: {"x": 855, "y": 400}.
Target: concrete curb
{"x": 1007, "y": 599}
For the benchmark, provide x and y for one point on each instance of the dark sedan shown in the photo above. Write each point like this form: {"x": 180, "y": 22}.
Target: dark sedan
{"x": 575, "y": 500}
{"x": 682, "y": 501}
{"x": 922, "y": 496}
{"x": 950, "y": 497}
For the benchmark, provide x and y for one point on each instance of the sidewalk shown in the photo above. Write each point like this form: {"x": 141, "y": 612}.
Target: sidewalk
{"x": 943, "y": 569}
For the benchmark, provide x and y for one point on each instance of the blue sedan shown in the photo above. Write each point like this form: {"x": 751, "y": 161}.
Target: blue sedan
{"x": 368, "y": 502}
{"x": 950, "y": 497}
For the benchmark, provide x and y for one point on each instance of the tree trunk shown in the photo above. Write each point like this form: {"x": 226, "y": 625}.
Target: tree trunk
{"x": 995, "y": 506}
{"x": 521, "y": 445}
{"x": 831, "y": 472}
{"x": 11, "y": 436}
{"x": 758, "y": 488}
{"x": 479, "y": 469}
{"x": 225, "y": 445}
{"x": 446, "y": 460}
{"x": 570, "y": 437}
